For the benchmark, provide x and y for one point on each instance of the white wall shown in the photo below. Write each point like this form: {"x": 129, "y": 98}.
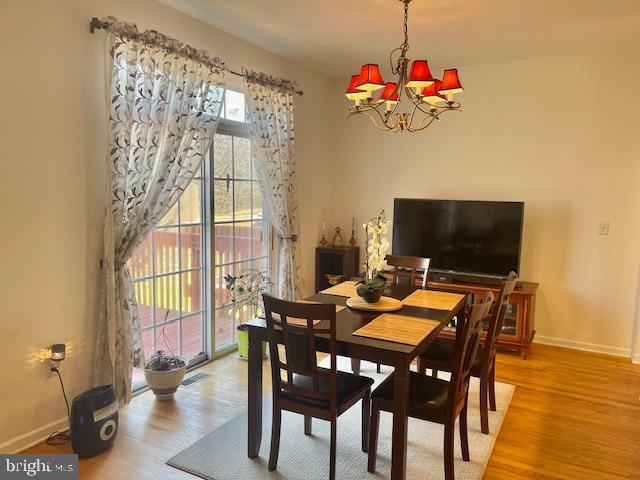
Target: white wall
{"x": 53, "y": 133}
{"x": 560, "y": 134}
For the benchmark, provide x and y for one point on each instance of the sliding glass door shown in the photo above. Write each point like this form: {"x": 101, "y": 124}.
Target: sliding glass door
{"x": 217, "y": 227}
{"x": 240, "y": 227}
{"x": 169, "y": 278}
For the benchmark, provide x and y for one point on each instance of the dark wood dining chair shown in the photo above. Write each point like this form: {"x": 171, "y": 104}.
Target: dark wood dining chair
{"x": 436, "y": 400}
{"x": 441, "y": 353}
{"x": 411, "y": 268}
{"x": 299, "y": 385}
{"x": 405, "y": 266}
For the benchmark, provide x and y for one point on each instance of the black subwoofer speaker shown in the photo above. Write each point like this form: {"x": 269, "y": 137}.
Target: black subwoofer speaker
{"x": 94, "y": 421}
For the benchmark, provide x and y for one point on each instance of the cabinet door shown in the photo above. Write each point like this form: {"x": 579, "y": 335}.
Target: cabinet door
{"x": 512, "y": 326}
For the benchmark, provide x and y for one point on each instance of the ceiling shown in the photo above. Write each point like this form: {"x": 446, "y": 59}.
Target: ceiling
{"x": 337, "y": 36}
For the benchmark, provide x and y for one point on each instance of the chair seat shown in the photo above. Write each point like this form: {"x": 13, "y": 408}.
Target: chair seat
{"x": 348, "y": 386}
{"x": 443, "y": 353}
{"x": 425, "y": 393}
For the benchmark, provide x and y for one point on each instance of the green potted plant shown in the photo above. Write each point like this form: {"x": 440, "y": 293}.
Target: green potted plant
{"x": 371, "y": 288}
{"x": 247, "y": 288}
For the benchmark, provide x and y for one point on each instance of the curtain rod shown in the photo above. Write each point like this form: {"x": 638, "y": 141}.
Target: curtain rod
{"x": 96, "y": 24}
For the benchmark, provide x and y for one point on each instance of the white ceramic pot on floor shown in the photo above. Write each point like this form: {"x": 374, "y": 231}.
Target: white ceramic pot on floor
{"x": 165, "y": 383}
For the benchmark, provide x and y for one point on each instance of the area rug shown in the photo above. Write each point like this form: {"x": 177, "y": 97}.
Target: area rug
{"x": 222, "y": 454}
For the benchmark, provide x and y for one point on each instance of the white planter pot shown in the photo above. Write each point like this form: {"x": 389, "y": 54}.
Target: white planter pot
{"x": 164, "y": 384}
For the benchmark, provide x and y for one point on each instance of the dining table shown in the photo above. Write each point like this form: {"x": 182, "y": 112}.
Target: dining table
{"x": 392, "y": 353}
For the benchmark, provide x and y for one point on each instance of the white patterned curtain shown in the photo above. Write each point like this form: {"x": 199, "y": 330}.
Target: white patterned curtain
{"x": 271, "y": 110}
{"x": 164, "y": 101}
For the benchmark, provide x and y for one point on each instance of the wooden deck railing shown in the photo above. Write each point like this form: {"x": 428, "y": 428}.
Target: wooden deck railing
{"x": 168, "y": 255}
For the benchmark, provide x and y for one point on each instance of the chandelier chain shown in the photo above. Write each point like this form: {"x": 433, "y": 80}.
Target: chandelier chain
{"x": 396, "y": 66}
{"x": 406, "y": 28}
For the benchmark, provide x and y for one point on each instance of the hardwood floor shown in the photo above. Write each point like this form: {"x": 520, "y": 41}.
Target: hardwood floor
{"x": 574, "y": 415}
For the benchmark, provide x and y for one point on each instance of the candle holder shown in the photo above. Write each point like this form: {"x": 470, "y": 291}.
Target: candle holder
{"x": 352, "y": 240}
{"x": 323, "y": 240}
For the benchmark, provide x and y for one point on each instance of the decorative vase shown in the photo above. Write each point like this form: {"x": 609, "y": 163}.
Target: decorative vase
{"x": 370, "y": 295}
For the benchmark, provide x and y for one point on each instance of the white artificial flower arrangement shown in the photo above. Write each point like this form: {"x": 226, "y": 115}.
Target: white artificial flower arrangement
{"x": 376, "y": 250}
{"x": 377, "y": 244}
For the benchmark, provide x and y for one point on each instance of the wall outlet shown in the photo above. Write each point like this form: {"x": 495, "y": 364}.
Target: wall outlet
{"x": 603, "y": 228}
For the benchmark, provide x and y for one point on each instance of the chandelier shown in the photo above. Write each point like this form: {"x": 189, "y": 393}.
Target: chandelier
{"x": 429, "y": 97}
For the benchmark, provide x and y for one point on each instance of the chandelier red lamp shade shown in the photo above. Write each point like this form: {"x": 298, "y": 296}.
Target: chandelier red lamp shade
{"x": 370, "y": 78}
{"x": 390, "y": 95}
{"x": 419, "y": 76}
{"x": 428, "y": 97}
{"x": 432, "y": 94}
{"x": 353, "y": 92}
{"x": 450, "y": 82}
{"x": 390, "y": 92}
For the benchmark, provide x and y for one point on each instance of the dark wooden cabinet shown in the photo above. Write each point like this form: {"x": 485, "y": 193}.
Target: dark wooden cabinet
{"x": 344, "y": 261}
{"x": 518, "y": 329}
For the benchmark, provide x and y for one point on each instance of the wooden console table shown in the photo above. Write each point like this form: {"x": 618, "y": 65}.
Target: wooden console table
{"x": 519, "y": 324}
{"x": 518, "y": 330}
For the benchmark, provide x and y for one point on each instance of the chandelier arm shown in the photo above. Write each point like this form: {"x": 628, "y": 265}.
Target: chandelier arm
{"x": 426, "y": 121}
{"x": 365, "y": 108}
{"x": 423, "y": 125}
{"x": 432, "y": 118}
{"x": 411, "y": 95}
{"x": 395, "y": 106}
{"x": 385, "y": 121}
{"x": 384, "y": 126}
{"x": 393, "y": 110}
{"x": 448, "y": 106}
{"x": 377, "y": 108}
{"x": 427, "y": 112}
{"x": 416, "y": 106}
{"x": 394, "y": 68}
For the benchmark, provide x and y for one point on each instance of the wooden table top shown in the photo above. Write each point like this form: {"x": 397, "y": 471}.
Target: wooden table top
{"x": 349, "y": 320}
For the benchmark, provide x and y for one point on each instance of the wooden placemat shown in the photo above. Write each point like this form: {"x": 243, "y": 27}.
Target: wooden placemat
{"x": 398, "y": 328}
{"x": 433, "y": 299}
{"x": 385, "y": 304}
{"x": 344, "y": 289}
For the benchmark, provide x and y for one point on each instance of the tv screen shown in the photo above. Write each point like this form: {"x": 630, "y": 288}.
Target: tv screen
{"x": 459, "y": 235}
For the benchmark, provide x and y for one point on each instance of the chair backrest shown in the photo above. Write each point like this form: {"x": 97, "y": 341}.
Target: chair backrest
{"x": 295, "y": 326}
{"x": 498, "y": 314}
{"x": 466, "y": 350}
{"x": 409, "y": 263}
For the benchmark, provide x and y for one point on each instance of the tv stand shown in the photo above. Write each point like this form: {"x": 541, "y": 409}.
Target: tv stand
{"x": 518, "y": 330}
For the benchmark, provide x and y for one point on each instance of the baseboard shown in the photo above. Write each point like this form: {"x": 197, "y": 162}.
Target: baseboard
{"x": 587, "y": 347}
{"x": 635, "y": 358}
{"x": 29, "y": 439}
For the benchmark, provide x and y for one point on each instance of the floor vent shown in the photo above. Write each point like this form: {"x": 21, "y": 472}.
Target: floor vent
{"x": 198, "y": 377}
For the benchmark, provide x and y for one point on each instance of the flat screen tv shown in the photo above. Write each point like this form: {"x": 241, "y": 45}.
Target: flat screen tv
{"x": 474, "y": 237}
